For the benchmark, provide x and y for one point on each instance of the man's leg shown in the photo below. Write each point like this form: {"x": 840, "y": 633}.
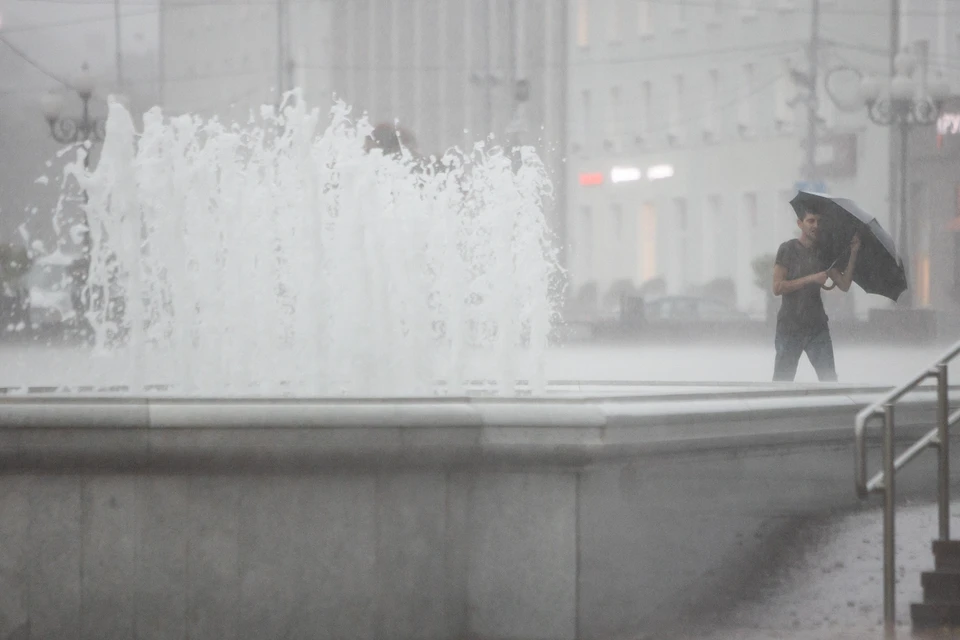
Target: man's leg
{"x": 820, "y": 351}
{"x": 785, "y": 363}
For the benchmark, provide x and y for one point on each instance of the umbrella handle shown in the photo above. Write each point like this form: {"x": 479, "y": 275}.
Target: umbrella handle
{"x": 826, "y": 288}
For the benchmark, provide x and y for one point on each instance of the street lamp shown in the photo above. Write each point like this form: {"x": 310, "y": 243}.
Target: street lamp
{"x": 85, "y": 129}
{"x": 903, "y": 102}
{"x": 70, "y": 130}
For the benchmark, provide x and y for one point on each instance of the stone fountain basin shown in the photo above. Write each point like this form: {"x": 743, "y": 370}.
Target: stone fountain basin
{"x": 575, "y": 424}
{"x": 594, "y": 511}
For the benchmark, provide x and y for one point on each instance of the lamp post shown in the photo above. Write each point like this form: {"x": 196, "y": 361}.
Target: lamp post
{"x": 903, "y": 101}
{"x": 70, "y": 130}
{"x": 85, "y": 129}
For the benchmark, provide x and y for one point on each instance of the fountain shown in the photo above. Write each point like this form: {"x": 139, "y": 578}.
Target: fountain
{"x": 280, "y": 258}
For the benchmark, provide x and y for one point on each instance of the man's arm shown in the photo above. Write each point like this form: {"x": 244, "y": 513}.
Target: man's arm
{"x": 782, "y": 286}
{"x": 845, "y": 278}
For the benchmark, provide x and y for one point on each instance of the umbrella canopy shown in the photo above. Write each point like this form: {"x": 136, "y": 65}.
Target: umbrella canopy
{"x": 879, "y": 269}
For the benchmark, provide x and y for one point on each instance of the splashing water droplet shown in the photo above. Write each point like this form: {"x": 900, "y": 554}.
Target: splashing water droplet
{"x": 281, "y": 258}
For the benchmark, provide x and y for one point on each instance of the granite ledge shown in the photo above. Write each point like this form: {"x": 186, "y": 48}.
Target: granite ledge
{"x": 278, "y": 435}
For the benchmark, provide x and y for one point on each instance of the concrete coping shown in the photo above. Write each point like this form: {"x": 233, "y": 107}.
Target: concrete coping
{"x": 553, "y": 412}
{"x": 274, "y": 433}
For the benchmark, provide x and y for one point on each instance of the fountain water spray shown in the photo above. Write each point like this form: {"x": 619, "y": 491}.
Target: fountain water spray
{"x": 281, "y": 258}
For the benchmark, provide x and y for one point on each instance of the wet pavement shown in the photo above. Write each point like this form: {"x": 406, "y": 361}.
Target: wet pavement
{"x": 729, "y": 363}
{"x": 684, "y": 363}
{"x": 833, "y": 589}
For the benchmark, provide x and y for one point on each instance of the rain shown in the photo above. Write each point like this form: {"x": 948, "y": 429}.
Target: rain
{"x": 485, "y": 319}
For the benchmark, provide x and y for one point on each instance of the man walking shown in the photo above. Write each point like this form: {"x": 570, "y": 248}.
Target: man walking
{"x": 799, "y": 272}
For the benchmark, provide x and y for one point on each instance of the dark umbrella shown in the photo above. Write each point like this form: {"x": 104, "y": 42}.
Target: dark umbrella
{"x": 879, "y": 269}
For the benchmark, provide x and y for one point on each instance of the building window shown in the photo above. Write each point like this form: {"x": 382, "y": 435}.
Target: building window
{"x": 956, "y": 266}
{"x": 783, "y": 225}
{"x": 746, "y": 243}
{"x": 923, "y": 280}
{"x": 613, "y": 20}
{"x": 681, "y": 259}
{"x": 713, "y": 10}
{"x": 676, "y": 107}
{"x": 680, "y": 204}
{"x": 783, "y": 95}
{"x": 583, "y": 23}
{"x": 747, "y": 99}
{"x": 646, "y": 107}
{"x": 680, "y": 14}
{"x": 713, "y": 242}
{"x": 711, "y": 104}
{"x": 647, "y": 241}
{"x": 614, "y": 117}
{"x": 644, "y": 27}
{"x": 750, "y": 214}
{"x": 586, "y": 242}
{"x": 587, "y": 116}
{"x": 619, "y": 244}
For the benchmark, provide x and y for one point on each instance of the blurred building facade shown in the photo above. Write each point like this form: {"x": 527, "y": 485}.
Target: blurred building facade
{"x": 43, "y": 48}
{"x": 687, "y": 129}
{"x": 933, "y": 168}
{"x": 445, "y": 69}
{"x": 683, "y": 123}
{"x": 933, "y": 163}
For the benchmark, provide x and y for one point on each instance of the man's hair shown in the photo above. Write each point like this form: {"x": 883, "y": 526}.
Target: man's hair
{"x": 803, "y": 213}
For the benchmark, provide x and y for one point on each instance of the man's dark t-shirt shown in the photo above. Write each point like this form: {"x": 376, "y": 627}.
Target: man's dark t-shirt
{"x": 801, "y": 312}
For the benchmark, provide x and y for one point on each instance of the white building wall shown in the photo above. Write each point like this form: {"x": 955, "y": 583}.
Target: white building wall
{"x": 443, "y": 68}
{"x": 704, "y": 88}
{"x": 217, "y": 55}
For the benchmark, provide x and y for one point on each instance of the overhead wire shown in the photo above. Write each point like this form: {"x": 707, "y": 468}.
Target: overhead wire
{"x": 661, "y": 122}
{"x": 785, "y": 46}
{"x": 39, "y": 26}
{"x": 771, "y": 47}
{"x": 719, "y": 6}
{"x": 776, "y": 6}
{"x": 33, "y": 63}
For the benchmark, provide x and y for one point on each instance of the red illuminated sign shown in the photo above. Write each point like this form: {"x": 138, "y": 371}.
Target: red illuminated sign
{"x": 591, "y": 179}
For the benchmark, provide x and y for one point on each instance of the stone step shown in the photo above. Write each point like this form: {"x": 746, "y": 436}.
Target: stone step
{"x": 941, "y": 587}
{"x": 934, "y": 615}
{"x": 946, "y": 554}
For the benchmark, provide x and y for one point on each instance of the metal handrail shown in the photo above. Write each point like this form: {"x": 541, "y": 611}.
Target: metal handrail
{"x": 883, "y": 482}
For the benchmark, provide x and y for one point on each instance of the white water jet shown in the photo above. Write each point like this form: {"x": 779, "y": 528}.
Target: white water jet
{"x": 281, "y": 258}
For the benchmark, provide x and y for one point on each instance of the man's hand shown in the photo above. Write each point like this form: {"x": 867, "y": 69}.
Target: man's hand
{"x": 855, "y": 244}
{"x": 782, "y": 286}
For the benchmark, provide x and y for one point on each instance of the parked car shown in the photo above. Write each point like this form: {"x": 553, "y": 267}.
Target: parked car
{"x": 690, "y": 309}
{"x": 52, "y": 290}
{"x": 14, "y": 307}
{"x": 14, "y": 295}
{"x": 676, "y": 312}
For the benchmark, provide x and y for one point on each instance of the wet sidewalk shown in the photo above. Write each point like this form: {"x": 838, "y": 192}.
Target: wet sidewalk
{"x": 833, "y": 589}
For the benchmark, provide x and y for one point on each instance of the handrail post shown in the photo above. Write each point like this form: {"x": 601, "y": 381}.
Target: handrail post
{"x": 943, "y": 469}
{"x": 889, "y": 566}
